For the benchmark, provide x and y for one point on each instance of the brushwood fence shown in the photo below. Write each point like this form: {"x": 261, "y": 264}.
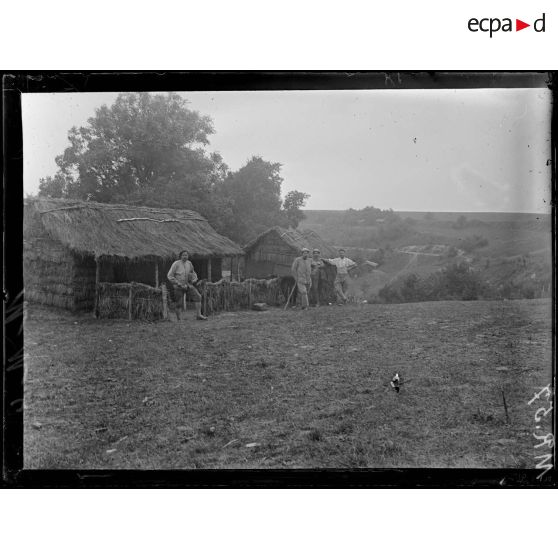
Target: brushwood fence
{"x": 137, "y": 301}
{"x": 132, "y": 301}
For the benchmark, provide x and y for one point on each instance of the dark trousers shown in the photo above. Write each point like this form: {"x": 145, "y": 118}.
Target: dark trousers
{"x": 315, "y": 290}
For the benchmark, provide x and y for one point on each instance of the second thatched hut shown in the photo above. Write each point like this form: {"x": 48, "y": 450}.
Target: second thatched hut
{"x": 273, "y": 251}
{"x": 271, "y": 254}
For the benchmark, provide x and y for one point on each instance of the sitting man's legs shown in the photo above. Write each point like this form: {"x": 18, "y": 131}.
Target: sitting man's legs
{"x": 192, "y": 294}
{"x": 195, "y": 296}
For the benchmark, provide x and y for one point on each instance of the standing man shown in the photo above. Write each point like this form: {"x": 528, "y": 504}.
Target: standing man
{"x": 316, "y": 265}
{"x": 182, "y": 276}
{"x": 341, "y": 284}
{"x": 302, "y": 273}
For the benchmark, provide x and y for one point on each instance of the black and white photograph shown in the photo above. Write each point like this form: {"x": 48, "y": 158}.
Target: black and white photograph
{"x": 288, "y": 279}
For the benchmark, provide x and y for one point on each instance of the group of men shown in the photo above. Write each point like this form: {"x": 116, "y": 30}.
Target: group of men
{"x": 306, "y": 272}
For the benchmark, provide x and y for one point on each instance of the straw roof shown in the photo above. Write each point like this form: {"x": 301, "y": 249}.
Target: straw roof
{"x": 126, "y": 231}
{"x": 296, "y": 239}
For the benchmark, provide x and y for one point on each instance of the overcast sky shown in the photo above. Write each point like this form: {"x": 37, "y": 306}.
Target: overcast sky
{"x": 431, "y": 150}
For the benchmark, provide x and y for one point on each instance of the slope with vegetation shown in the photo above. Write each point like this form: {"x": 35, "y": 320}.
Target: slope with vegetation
{"x": 433, "y": 256}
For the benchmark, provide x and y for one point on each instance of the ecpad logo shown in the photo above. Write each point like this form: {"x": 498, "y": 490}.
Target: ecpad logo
{"x": 493, "y": 25}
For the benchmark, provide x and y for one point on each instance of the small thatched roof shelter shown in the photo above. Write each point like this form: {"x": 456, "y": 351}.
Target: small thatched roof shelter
{"x": 273, "y": 251}
{"x": 69, "y": 246}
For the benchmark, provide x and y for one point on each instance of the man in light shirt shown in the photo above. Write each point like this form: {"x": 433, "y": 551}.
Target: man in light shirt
{"x": 182, "y": 276}
{"x": 341, "y": 283}
{"x": 302, "y": 273}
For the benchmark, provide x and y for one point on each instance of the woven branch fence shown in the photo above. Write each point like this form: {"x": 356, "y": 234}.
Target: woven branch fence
{"x": 132, "y": 301}
{"x": 137, "y": 301}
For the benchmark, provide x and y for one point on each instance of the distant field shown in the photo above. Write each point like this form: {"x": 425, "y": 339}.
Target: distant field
{"x": 307, "y": 389}
{"x": 319, "y": 215}
{"x": 487, "y": 217}
{"x": 508, "y": 234}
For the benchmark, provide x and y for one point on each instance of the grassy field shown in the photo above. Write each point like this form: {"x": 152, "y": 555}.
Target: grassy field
{"x": 288, "y": 389}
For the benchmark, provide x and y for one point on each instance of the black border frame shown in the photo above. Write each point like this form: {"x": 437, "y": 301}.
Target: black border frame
{"x": 16, "y": 83}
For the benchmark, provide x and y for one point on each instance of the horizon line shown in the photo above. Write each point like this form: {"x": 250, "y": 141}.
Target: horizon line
{"x": 437, "y": 211}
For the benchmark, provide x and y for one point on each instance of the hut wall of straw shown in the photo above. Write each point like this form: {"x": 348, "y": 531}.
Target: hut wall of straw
{"x": 48, "y": 271}
{"x": 84, "y": 283}
{"x": 271, "y": 255}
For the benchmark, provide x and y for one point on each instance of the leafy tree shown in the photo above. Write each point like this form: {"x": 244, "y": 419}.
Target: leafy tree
{"x": 152, "y": 150}
{"x": 254, "y": 196}
{"x": 145, "y": 149}
{"x": 292, "y": 203}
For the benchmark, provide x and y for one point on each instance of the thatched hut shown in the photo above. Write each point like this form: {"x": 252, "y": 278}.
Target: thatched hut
{"x": 72, "y": 247}
{"x": 273, "y": 251}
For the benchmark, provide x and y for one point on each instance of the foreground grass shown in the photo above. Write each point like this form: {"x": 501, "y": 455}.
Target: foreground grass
{"x": 309, "y": 389}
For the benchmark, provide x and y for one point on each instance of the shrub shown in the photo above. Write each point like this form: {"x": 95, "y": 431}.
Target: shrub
{"x": 455, "y": 282}
{"x": 472, "y": 243}
{"x": 461, "y": 222}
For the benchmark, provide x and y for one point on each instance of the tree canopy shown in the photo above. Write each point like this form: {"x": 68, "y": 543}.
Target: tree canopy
{"x": 292, "y": 203}
{"x": 152, "y": 150}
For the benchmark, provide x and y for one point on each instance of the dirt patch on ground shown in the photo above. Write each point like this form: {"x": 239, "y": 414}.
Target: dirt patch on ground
{"x": 288, "y": 388}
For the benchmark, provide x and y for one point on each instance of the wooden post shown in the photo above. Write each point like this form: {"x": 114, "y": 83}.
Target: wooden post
{"x": 238, "y": 269}
{"x": 209, "y": 270}
{"x": 165, "y": 301}
{"x": 97, "y": 280}
{"x": 130, "y": 303}
{"x": 204, "y": 296}
{"x": 156, "y": 275}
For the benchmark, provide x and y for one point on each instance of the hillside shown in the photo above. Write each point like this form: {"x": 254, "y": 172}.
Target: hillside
{"x": 508, "y": 234}
{"x": 504, "y": 248}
